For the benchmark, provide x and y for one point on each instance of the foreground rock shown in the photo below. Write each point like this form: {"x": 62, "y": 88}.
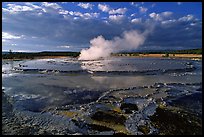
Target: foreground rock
{"x": 174, "y": 122}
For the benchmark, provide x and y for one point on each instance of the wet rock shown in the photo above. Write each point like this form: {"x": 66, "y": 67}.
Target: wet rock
{"x": 173, "y": 92}
{"x": 140, "y": 102}
{"x": 101, "y": 107}
{"x": 106, "y": 107}
{"x": 6, "y": 105}
{"x": 191, "y": 103}
{"x": 128, "y": 107}
{"x": 46, "y": 122}
{"x": 99, "y": 127}
{"x": 27, "y": 130}
{"x": 189, "y": 63}
{"x": 150, "y": 109}
{"x": 199, "y": 89}
{"x": 159, "y": 85}
{"x": 144, "y": 129}
{"x": 77, "y": 134}
{"x": 173, "y": 123}
{"x": 119, "y": 133}
{"x": 109, "y": 98}
{"x": 109, "y": 116}
{"x": 105, "y": 133}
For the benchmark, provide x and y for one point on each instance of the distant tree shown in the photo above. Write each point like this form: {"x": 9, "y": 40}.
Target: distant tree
{"x": 10, "y": 51}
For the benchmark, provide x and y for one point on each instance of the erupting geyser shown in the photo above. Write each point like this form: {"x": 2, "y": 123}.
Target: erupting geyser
{"x": 101, "y": 48}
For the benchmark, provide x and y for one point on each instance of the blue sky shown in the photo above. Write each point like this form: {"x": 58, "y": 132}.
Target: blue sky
{"x": 69, "y": 26}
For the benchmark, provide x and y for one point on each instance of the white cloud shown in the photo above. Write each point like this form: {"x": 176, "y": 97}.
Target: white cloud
{"x": 32, "y": 5}
{"x": 186, "y": 18}
{"x": 161, "y": 16}
{"x": 13, "y": 44}
{"x": 136, "y": 20}
{"x": 193, "y": 24}
{"x": 63, "y": 12}
{"x": 13, "y": 8}
{"x": 52, "y": 8}
{"x": 134, "y": 14}
{"x": 167, "y": 22}
{"x": 187, "y": 28}
{"x": 85, "y": 5}
{"x": 153, "y": 5}
{"x": 7, "y": 36}
{"x": 155, "y": 16}
{"x": 84, "y": 15}
{"x": 73, "y": 13}
{"x": 35, "y": 9}
{"x": 166, "y": 13}
{"x": 22, "y": 51}
{"x": 179, "y": 3}
{"x": 103, "y": 7}
{"x": 118, "y": 11}
{"x": 134, "y": 4}
{"x": 116, "y": 18}
{"x": 143, "y": 9}
{"x": 5, "y": 10}
{"x": 51, "y": 5}
{"x": 75, "y": 18}
{"x": 91, "y": 15}
{"x": 65, "y": 46}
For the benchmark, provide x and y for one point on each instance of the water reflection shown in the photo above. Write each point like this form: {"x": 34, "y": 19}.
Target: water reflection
{"x": 118, "y": 81}
{"x": 58, "y": 89}
{"x": 133, "y": 64}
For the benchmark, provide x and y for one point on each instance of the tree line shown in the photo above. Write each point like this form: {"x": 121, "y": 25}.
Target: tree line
{"x": 24, "y": 55}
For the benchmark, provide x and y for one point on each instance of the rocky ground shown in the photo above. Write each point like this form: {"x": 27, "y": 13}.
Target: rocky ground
{"x": 164, "y": 109}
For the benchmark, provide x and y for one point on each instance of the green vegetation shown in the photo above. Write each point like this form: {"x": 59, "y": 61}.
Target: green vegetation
{"x": 23, "y": 55}
{"x": 188, "y": 51}
{"x": 125, "y": 54}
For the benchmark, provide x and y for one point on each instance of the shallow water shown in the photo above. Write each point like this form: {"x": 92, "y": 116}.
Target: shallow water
{"x": 42, "y": 84}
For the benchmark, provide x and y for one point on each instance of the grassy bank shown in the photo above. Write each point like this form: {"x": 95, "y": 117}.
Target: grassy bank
{"x": 22, "y": 55}
{"x": 191, "y": 53}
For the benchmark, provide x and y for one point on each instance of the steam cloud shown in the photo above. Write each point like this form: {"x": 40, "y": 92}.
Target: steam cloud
{"x": 101, "y": 48}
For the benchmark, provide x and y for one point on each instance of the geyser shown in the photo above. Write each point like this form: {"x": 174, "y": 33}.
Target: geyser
{"x": 101, "y": 48}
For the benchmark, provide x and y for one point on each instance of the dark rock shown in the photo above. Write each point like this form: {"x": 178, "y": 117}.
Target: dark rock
{"x": 128, "y": 107}
{"x": 199, "y": 89}
{"x": 191, "y": 103}
{"x": 109, "y": 116}
{"x": 144, "y": 129}
{"x": 173, "y": 123}
{"x": 119, "y": 133}
{"x": 99, "y": 127}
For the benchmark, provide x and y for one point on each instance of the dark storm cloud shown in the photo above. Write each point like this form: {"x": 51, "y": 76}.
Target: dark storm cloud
{"x": 176, "y": 35}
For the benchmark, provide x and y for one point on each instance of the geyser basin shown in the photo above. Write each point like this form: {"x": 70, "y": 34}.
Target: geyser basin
{"x": 76, "y": 91}
{"x": 106, "y": 65}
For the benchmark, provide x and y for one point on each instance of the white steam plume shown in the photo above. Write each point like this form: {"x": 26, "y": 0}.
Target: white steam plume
{"x": 101, "y": 48}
